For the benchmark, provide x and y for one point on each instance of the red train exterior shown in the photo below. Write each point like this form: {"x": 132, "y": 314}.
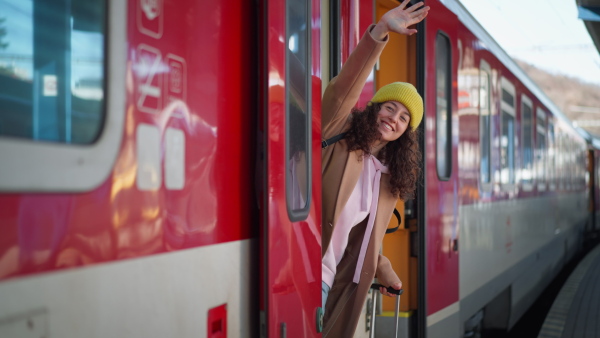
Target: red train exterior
{"x": 195, "y": 210}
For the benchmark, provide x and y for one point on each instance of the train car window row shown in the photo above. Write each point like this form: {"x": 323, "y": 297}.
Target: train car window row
{"x": 535, "y": 150}
{"x": 443, "y": 107}
{"x": 298, "y": 110}
{"x": 52, "y": 70}
{"x": 549, "y": 157}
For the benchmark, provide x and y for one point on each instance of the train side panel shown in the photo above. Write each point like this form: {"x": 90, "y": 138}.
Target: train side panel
{"x": 290, "y": 237}
{"x": 441, "y": 172}
{"x": 522, "y": 190}
{"x": 180, "y": 187}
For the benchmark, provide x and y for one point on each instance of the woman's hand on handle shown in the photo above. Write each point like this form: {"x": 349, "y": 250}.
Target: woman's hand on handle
{"x": 396, "y": 286}
{"x": 398, "y": 19}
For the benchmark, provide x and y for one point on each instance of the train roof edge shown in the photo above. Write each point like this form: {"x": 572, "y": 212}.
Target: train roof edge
{"x": 589, "y": 12}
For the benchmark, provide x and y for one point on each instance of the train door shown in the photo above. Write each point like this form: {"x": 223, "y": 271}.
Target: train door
{"x": 290, "y": 239}
{"x": 398, "y": 62}
{"x": 443, "y": 50}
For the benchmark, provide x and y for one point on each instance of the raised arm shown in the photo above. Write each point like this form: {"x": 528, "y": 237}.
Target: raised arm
{"x": 343, "y": 91}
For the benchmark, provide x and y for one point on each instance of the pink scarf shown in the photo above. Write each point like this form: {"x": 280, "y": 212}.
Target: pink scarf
{"x": 379, "y": 169}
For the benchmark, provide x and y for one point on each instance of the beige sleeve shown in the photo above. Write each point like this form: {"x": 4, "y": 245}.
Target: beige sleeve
{"x": 343, "y": 91}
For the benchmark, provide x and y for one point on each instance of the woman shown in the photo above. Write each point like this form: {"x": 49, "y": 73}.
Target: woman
{"x": 365, "y": 173}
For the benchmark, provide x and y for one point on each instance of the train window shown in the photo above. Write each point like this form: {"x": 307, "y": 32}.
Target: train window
{"x": 54, "y": 91}
{"x": 571, "y": 162}
{"x": 507, "y": 139}
{"x": 552, "y": 161}
{"x": 443, "y": 107}
{"x": 574, "y": 163}
{"x": 578, "y": 165}
{"x": 582, "y": 163}
{"x": 298, "y": 109}
{"x": 540, "y": 155}
{"x": 560, "y": 159}
{"x": 527, "y": 142}
{"x": 52, "y": 70}
{"x": 331, "y": 57}
{"x": 485, "y": 121}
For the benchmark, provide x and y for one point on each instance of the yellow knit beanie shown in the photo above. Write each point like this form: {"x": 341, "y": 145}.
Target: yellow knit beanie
{"x": 406, "y": 94}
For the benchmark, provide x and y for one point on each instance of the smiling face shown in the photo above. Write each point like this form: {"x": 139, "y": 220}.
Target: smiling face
{"x": 392, "y": 120}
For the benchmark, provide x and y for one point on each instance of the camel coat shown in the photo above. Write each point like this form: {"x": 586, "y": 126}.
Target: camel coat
{"x": 341, "y": 170}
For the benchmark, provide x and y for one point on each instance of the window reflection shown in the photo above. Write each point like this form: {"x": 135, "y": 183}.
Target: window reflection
{"x": 443, "y": 112}
{"x": 52, "y": 69}
{"x": 552, "y": 163}
{"x": 298, "y": 109}
{"x": 527, "y": 127}
{"x": 484, "y": 125}
{"x": 507, "y": 138}
{"x": 541, "y": 149}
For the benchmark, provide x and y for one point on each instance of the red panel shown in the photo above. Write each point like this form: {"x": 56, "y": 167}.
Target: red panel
{"x": 216, "y": 326}
{"x": 348, "y": 29}
{"x": 442, "y": 201}
{"x": 365, "y": 18}
{"x": 205, "y": 72}
{"x": 353, "y": 25}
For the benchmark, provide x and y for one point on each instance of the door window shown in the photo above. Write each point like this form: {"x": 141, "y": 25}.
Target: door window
{"x": 443, "y": 107}
{"x": 298, "y": 109}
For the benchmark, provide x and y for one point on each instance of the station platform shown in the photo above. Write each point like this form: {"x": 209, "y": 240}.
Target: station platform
{"x": 576, "y": 310}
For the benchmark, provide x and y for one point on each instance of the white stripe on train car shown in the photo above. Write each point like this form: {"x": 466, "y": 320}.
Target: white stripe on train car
{"x": 494, "y": 237}
{"x": 163, "y": 295}
{"x": 444, "y": 313}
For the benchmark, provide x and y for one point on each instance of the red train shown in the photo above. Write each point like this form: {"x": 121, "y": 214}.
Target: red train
{"x": 159, "y": 178}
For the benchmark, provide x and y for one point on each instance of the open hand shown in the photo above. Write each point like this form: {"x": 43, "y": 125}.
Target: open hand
{"x": 399, "y": 19}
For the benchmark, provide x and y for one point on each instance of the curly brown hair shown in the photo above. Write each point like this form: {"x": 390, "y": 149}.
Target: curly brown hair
{"x": 402, "y": 156}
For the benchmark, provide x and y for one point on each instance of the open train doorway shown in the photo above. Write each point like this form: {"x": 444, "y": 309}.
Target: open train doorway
{"x": 344, "y": 22}
{"x": 400, "y": 62}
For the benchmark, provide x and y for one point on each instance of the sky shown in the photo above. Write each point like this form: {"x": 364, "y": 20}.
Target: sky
{"x": 544, "y": 33}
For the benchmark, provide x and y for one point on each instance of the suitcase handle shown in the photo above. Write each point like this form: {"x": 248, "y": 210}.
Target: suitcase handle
{"x": 389, "y": 289}
{"x": 396, "y": 312}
